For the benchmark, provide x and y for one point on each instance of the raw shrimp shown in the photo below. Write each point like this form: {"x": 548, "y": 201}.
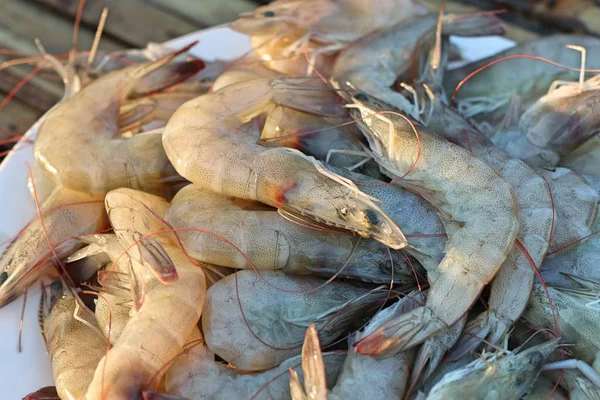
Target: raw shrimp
{"x": 373, "y": 63}
{"x": 554, "y": 125}
{"x": 169, "y": 313}
{"x": 78, "y": 144}
{"x": 495, "y": 376}
{"x": 66, "y": 215}
{"x": 211, "y": 143}
{"x": 271, "y": 242}
{"x": 467, "y": 191}
{"x": 489, "y": 91}
{"x": 75, "y": 347}
{"x": 196, "y": 375}
{"x": 277, "y": 308}
{"x": 331, "y": 23}
{"x": 578, "y": 323}
{"x": 512, "y": 284}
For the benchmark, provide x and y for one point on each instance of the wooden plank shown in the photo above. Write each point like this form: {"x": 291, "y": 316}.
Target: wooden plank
{"x": 17, "y": 32}
{"x": 27, "y": 21}
{"x": 210, "y": 13}
{"x": 132, "y": 22}
{"x": 514, "y": 31}
{"x": 32, "y": 93}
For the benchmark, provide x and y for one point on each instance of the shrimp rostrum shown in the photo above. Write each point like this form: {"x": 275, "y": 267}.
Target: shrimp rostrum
{"x": 467, "y": 191}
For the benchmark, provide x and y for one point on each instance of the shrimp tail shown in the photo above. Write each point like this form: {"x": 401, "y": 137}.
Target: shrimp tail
{"x": 315, "y": 386}
{"x": 486, "y": 326}
{"x": 431, "y": 353}
{"x": 400, "y": 333}
{"x": 309, "y": 95}
{"x": 166, "y": 76}
{"x": 161, "y": 74}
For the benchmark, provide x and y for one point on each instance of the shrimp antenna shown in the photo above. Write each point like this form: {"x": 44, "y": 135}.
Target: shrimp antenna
{"x": 73, "y": 50}
{"x": 20, "y": 345}
{"x": 97, "y": 36}
{"x": 437, "y": 52}
{"x": 583, "y": 57}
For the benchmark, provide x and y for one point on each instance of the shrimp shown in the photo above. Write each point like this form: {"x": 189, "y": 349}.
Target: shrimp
{"x": 361, "y": 375}
{"x": 392, "y": 50}
{"x": 211, "y": 143}
{"x": 271, "y": 242}
{"x": 78, "y": 144}
{"x": 578, "y": 323}
{"x": 512, "y": 284}
{"x": 554, "y": 125}
{"x": 331, "y": 23}
{"x": 75, "y": 347}
{"x": 495, "y": 376}
{"x": 486, "y": 94}
{"x": 160, "y": 328}
{"x": 467, "y": 191}
{"x": 66, "y": 214}
{"x": 196, "y": 375}
{"x": 250, "y": 323}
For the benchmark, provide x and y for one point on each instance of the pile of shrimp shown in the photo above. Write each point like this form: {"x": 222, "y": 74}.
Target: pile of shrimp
{"x": 336, "y": 214}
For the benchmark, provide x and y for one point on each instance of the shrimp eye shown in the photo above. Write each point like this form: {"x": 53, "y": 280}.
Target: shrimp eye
{"x": 56, "y": 285}
{"x": 269, "y": 14}
{"x": 3, "y": 277}
{"x": 361, "y": 97}
{"x": 371, "y": 217}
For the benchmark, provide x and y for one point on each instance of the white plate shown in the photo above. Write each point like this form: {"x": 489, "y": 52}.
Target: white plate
{"x": 30, "y": 370}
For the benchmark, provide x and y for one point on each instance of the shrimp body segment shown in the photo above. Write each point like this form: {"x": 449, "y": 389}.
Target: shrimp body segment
{"x": 467, "y": 191}
{"x": 211, "y": 141}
